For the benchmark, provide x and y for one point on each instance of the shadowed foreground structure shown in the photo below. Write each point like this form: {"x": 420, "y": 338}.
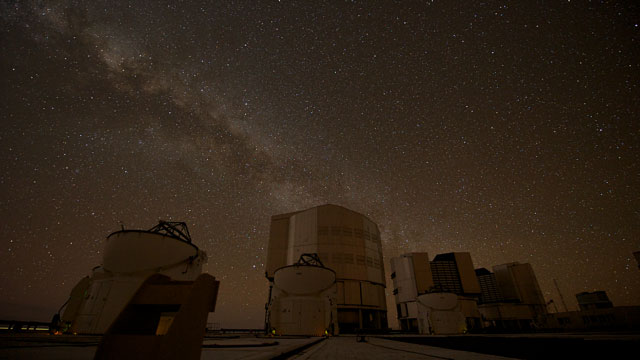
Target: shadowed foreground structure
{"x": 164, "y": 320}
{"x": 130, "y": 258}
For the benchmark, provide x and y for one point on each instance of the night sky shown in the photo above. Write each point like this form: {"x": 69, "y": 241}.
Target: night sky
{"x": 507, "y": 129}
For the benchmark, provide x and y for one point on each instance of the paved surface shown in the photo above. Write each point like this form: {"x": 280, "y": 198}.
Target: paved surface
{"x": 467, "y": 347}
{"x": 534, "y": 346}
{"x": 65, "y": 347}
{"x": 42, "y": 346}
{"x": 375, "y": 348}
{"x": 251, "y": 348}
{"x": 69, "y": 347}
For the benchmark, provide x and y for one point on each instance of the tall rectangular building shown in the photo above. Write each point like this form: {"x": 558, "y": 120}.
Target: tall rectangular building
{"x": 453, "y": 272}
{"x": 414, "y": 275}
{"x": 593, "y": 300}
{"x": 518, "y": 303}
{"x": 411, "y": 276}
{"x": 518, "y": 283}
{"x": 489, "y": 287}
{"x": 346, "y": 242}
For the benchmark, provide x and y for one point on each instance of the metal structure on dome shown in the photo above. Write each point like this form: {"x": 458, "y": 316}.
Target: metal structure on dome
{"x": 310, "y": 260}
{"x": 176, "y": 229}
{"x": 130, "y": 257}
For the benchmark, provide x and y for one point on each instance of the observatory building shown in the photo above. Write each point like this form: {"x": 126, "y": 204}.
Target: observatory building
{"x": 511, "y": 298}
{"x": 346, "y": 242}
{"x": 438, "y": 296}
{"x": 161, "y": 261}
{"x": 303, "y": 299}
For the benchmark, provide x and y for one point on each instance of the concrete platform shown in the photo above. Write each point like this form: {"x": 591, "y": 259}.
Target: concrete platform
{"x": 50, "y": 347}
{"x": 63, "y": 347}
{"x": 535, "y": 346}
{"x": 466, "y": 347}
{"x": 376, "y": 348}
{"x": 254, "y": 348}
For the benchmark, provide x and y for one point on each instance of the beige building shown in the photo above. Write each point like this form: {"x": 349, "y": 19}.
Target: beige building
{"x": 597, "y": 313}
{"x": 130, "y": 257}
{"x": 413, "y": 275}
{"x": 511, "y": 297}
{"x": 593, "y": 300}
{"x": 518, "y": 282}
{"x": 346, "y": 242}
{"x": 303, "y": 300}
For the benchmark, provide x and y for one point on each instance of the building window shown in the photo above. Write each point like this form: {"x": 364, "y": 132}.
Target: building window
{"x": 346, "y": 231}
{"x": 323, "y": 230}
{"x": 347, "y": 258}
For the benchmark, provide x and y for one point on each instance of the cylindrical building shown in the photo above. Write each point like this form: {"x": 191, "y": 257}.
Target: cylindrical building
{"x": 346, "y": 242}
{"x": 303, "y": 299}
{"x": 130, "y": 257}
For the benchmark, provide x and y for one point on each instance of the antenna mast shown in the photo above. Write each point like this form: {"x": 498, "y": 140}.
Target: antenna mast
{"x": 561, "y": 297}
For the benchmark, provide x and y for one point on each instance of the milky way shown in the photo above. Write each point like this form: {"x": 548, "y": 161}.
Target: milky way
{"x": 504, "y": 129}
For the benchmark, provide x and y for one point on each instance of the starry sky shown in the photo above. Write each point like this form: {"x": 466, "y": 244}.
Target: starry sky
{"x": 509, "y": 129}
